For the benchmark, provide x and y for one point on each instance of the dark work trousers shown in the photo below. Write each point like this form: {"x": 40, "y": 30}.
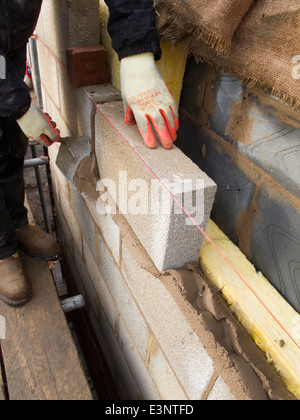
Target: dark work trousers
{"x": 13, "y": 214}
{"x": 13, "y": 146}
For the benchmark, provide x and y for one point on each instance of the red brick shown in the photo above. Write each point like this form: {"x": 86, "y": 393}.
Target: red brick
{"x": 87, "y": 66}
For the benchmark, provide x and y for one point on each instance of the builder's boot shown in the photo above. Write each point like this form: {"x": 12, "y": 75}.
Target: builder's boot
{"x": 36, "y": 243}
{"x": 15, "y": 289}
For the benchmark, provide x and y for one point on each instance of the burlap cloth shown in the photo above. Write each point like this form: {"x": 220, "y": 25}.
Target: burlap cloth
{"x": 257, "y": 41}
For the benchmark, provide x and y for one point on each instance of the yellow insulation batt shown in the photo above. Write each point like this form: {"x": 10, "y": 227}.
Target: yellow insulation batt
{"x": 272, "y": 323}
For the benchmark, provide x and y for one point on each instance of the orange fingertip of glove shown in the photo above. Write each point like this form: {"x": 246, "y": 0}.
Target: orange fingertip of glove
{"x": 129, "y": 117}
{"x": 149, "y": 138}
{"x": 167, "y": 136}
{"x": 45, "y": 139}
{"x": 163, "y": 135}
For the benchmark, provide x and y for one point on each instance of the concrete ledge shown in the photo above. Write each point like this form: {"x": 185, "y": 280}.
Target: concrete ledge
{"x": 168, "y": 235}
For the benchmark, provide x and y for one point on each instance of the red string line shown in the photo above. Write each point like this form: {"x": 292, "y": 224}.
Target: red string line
{"x": 180, "y": 205}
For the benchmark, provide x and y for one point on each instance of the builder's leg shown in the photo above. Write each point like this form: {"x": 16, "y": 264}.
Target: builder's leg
{"x": 31, "y": 240}
{"x": 14, "y": 229}
{"x": 15, "y": 289}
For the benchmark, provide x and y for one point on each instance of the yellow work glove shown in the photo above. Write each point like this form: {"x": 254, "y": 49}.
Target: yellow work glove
{"x": 38, "y": 126}
{"x": 148, "y": 101}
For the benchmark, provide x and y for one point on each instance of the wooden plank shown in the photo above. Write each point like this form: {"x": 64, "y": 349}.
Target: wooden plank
{"x": 272, "y": 323}
{"x": 40, "y": 358}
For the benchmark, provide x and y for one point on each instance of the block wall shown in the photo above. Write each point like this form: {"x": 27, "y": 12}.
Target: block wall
{"x": 149, "y": 335}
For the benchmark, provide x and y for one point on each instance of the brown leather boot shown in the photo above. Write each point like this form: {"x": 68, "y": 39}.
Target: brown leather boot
{"x": 15, "y": 289}
{"x": 36, "y": 243}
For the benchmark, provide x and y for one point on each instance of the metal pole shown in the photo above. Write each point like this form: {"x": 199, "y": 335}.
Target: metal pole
{"x": 36, "y": 77}
{"x": 73, "y": 303}
{"x": 31, "y": 163}
{"x": 41, "y": 192}
{"x": 38, "y": 90}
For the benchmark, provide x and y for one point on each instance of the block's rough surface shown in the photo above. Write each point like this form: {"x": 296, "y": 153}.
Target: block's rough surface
{"x": 146, "y": 196}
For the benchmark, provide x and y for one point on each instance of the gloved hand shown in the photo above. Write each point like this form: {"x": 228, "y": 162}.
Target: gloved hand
{"x": 38, "y": 126}
{"x": 148, "y": 101}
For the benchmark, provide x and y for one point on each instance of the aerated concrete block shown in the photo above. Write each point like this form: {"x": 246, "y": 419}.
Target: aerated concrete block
{"x": 150, "y": 188}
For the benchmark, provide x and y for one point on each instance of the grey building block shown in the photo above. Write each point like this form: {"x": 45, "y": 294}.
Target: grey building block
{"x": 235, "y": 190}
{"x": 210, "y": 95}
{"x": 275, "y": 243}
{"x": 227, "y": 91}
{"x": 101, "y": 94}
{"x": 165, "y": 231}
{"x": 274, "y": 146}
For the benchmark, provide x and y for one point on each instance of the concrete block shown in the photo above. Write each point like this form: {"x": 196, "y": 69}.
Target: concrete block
{"x": 63, "y": 230}
{"x": 70, "y": 220}
{"x": 49, "y": 75}
{"x": 275, "y": 242}
{"x": 124, "y": 380}
{"x": 220, "y": 392}
{"x": 235, "y": 189}
{"x": 166, "y": 232}
{"x": 78, "y": 270}
{"x": 186, "y": 354}
{"x": 124, "y": 300}
{"x": 60, "y": 183}
{"x": 102, "y": 93}
{"x": 87, "y": 66}
{"x": 109, "y": 230}
{"x": 164, "y": 378}
{"x": 137, "y": 366}
{"x": 100, "y": 295}
{"x": 253, "y": 127}
{"x": 273, "y": 145}
{"x": 84, "y": 219}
